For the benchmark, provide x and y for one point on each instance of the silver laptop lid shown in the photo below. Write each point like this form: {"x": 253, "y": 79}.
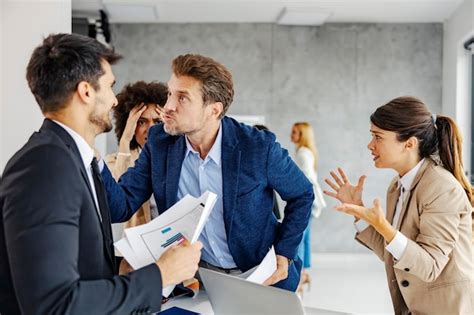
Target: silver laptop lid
{"x": 232, "y": 295}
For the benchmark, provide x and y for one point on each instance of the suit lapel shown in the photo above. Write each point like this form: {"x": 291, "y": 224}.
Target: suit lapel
{"x": 230, "y": 171}
{"x": 174, "y": 163}
{"x": 49, "y": 125}
{"x": 407, "y": 198}
{"x": 392, "y": 197}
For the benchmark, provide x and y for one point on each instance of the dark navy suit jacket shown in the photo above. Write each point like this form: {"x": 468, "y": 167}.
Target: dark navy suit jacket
{"x": 54, "y": 258}
{"x": 253, "y": 165}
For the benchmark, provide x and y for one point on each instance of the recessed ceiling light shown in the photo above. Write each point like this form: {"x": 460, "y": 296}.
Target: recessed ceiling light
{"x": 302, "y": 16}
{"x": 131, "y": 12}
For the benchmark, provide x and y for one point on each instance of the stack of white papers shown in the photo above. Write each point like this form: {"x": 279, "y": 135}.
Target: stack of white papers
{"x": 263, "y": 271}
{"x": 144, "y": 244}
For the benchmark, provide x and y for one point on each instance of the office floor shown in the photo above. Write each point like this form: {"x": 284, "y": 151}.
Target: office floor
{"x": 353, "y": 283}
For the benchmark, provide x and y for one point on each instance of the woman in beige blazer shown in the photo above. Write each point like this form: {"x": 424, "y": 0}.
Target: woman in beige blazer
{"x": 134, "y": 115}
{"x": 425, "y": 238}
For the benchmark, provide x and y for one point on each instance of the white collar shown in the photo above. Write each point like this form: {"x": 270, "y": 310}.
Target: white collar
{"x": 216, "y": 149}
{"x": 406, "y": 180}
{"x": 86, "y": 152}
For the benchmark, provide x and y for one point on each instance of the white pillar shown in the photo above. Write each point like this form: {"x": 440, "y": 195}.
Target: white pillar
{"x": 23, "y": 25}
{"x": 456, "y": 72}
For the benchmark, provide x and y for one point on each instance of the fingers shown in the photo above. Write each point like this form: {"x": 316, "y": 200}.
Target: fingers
{"x": 330, "y": 194}
{"x": 343, "y": 175}
{"x": 336, "y": 178}
{"x": 271, "y": 280}
{"x": 277, "y": 276}
{"x": 134, "y": 115}
{"x": 160, "y": 111}
{"x": 136, "y": 109}
{"x": 360, "y": 183}
{"x": 184, "y": 242}
{"x": 351, "y": 209}
{"x": 198, "y": 245}
{"x": 333, "y": 186}
{"x": 377, "y": 203}
{"x": 136, "y": 112}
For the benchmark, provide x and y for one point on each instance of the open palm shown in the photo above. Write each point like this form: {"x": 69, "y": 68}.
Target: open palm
{"x": 344, "y": 191}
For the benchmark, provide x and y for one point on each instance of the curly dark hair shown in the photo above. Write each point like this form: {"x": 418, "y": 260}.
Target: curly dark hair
{"x": 133, "y": 95}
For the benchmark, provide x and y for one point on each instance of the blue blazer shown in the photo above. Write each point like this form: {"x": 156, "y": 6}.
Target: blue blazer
{"x": 253, "y": 165}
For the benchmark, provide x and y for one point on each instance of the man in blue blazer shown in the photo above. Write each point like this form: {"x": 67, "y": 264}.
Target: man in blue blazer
{"x": 198, "y": 148}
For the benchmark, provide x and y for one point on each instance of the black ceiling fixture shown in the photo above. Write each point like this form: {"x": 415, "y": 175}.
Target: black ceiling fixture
{"x": 104, "y": 26}
{"x": 469, "y": 44}
{"x": 93, "y": 26}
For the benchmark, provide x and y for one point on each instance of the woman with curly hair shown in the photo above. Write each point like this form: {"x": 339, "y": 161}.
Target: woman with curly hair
{"x": 134, "y": 115}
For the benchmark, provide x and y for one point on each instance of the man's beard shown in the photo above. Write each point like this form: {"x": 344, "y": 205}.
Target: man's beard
{"x": 172, "y": 131}
{"x": 179, "y": 132}
{"x": 103, "y": 125}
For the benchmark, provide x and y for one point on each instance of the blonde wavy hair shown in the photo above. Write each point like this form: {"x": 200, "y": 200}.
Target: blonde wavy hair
{"x": 307, "y": 139}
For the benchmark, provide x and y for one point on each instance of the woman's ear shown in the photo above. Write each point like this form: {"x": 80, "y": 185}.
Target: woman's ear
{"x": 412, "y": 143}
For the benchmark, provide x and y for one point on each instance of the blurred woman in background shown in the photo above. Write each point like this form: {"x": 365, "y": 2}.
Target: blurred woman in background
{"x": 302, "y": 136}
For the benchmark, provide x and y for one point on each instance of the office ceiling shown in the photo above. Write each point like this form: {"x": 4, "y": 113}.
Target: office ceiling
{"x": 269, "y": 11}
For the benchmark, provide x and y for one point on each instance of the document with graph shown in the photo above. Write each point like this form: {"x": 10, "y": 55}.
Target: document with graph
{"x": 144, "y": 244}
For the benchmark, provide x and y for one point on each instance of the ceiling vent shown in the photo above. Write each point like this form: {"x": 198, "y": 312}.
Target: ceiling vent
{"x": 302, "y": 16}
{"x": 131, "y": 13}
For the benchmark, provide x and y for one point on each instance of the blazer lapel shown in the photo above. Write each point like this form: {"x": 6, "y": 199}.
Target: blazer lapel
{"x": 174, "y": 162}
{"x": 230, "y": 171}
{"x": 49, "y": 125}
{"x": 392, "y": 197}
{"x": 406, "y": 201}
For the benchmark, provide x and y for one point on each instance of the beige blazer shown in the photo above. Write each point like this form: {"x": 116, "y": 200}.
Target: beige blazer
{"x": 118, "y": 164}
{"x": 435, "y": 275}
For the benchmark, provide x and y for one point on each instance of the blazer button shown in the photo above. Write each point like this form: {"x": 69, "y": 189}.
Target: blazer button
{"x": 405, "y": 283}
{"x": 407, "y": 269}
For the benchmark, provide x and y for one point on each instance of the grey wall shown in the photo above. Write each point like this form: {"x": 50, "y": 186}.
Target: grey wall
{"x": 332, "y": 76}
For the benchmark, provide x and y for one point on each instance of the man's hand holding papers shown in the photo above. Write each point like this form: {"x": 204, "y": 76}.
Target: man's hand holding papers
{"x": 179, "y": 263}
{"x": 280, "y": 273}
{"x": 148, "y": 243}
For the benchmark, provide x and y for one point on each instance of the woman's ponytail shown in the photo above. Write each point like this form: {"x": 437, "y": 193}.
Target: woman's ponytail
{"x": 450, "y": 151}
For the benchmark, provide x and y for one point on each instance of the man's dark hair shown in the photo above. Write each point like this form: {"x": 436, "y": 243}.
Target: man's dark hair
{"x": 134, "y": 95}
{"x": 60, "y": 63}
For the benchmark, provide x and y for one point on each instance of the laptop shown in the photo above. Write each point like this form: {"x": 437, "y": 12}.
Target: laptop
{"x": 233, "y": 295}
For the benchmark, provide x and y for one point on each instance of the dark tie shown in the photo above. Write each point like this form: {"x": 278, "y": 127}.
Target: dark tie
{"x": 103, "y": 209}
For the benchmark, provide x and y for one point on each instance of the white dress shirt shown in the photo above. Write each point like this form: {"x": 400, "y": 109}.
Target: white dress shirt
{"x": 399, "y": 243}
{"x": 87, "y": 154}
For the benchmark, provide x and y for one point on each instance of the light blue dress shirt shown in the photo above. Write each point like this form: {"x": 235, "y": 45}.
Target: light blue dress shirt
{"x": 197, "y": 176}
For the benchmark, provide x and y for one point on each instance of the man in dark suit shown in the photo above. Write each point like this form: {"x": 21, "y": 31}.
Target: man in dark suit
{"x": 56, "y": 252}
{"x": 198, "y": 148}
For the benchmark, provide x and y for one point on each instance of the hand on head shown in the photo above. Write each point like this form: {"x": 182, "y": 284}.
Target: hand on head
{"x": 130, "y": 127}
{"x": 161, "y": 111}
